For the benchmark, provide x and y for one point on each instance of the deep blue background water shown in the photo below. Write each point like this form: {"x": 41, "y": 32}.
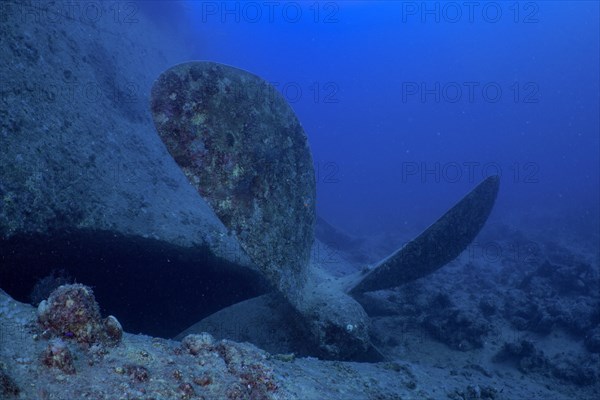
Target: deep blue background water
{"x": 407, "y": 108}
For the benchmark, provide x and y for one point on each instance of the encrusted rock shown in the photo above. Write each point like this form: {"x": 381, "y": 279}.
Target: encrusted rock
{"x": 197, "y": 343}
{"x": 524, "y": 354}
{"x": 58, "y": 355}
{"x": 458, "y": 329}
{"x": 71, "y": 312}
{"x": 137, "y": 373}
{"x": 113, "y": 329}
{"x": 579, "y": 371}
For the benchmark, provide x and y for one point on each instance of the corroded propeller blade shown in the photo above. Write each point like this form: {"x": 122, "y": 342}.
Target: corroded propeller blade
{"x": 438, "y": 245}
{"x": 242, "y": 147}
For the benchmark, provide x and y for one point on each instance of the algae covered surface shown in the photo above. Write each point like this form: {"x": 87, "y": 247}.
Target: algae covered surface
{"x": 37, "y": 363}
{"x": 241, "y": 146}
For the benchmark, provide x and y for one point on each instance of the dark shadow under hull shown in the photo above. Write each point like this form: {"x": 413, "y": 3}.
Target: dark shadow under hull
{"x": 152, "y": 287}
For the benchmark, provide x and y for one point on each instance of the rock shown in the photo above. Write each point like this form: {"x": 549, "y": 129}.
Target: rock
{"x": 580, "y": 372}
{"x": 71, "y": 312}
{"x": 196, "y": 343}
{"x": 458, "y": 329}
{"x": 113, "y": 329}
{"x": 527, "y": 315}
{"x": 58, "y": 355}
{"x": 558, "y": 292}
{"x": 524, "y": 355}
{"x": 580, "y": 314}
{"x": 474, "y": 392}
{"x": 137, "y": 373}
{"x": 575, "y": 277}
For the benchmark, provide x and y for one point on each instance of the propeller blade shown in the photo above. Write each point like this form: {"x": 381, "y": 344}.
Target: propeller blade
{"x": 439, "y": 244}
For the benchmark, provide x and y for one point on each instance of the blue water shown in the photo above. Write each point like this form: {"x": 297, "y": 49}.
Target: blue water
{"x": 408, "y": 105}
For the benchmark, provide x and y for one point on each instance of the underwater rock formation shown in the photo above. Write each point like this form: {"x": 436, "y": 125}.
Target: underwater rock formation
{"x": 71, "y": 312}
{"x": 58, "y": 355}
